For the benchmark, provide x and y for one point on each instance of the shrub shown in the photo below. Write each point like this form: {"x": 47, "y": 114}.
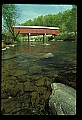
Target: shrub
{"x": 66, "y": 36}
{"x": 50, "y": 38}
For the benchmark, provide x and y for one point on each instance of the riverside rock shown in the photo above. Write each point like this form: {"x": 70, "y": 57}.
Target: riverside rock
{"x": 62, "y": 101}
{"x": 48, "y": 55}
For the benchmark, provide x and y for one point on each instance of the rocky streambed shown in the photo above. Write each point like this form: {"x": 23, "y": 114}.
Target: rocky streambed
{"x": 27, "y": 75}
{"x": 19, "y": 96}
{"x": 27, "y": 92}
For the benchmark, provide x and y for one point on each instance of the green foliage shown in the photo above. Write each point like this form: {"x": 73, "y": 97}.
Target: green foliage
{"x": 66, "y": 21}
{"x": 8, "y": 12}
{"x": 9, "y": 15}
{"x": 50, "y": 38}
{"x": 66, "y": 36}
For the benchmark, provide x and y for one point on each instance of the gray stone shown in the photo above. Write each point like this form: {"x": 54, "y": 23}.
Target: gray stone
{"x": 74, "y": 71}
{"x": 48, "y": 55}
{"x": 62, "y": 101}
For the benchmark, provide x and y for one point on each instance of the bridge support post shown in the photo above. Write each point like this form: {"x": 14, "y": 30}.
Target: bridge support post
{"x": 54, "y": 36}
{"x": 44, "y": 38}
{"x": 28, "y": 38}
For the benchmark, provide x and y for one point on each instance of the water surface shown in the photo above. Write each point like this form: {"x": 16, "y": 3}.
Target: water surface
{"x": 27, "y": 75}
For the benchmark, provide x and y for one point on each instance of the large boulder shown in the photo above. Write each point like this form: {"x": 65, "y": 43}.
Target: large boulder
{"x": 62, "y": 101}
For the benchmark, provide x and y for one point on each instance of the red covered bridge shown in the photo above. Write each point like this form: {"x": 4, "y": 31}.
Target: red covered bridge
{"x": 37, "y": 30}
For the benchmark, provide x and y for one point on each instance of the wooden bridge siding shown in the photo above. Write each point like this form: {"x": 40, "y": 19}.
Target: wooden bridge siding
{"x": 36, "y": 31}
{"x": 52, "y": 32}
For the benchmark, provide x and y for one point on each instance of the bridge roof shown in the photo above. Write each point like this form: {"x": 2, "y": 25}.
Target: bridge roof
{"x": 55, "y": 28}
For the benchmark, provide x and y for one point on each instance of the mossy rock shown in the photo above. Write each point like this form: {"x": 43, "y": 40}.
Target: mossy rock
{"x": 20, "y": 72}
{"x": 39, "y": 97}
{"x": 4, "y": 77}
{"x": 5, "y": 71}
{"x": 34, "y": 77}
{"x": 13, "y": 78}
{"x": 47, "y": 95}
{"x": 23, "y": 78}
{"x": 7, "y": 85}
{"x": 34, "y": 98}
{"x": 28, "y": 86}
{"x": 11, "y": 87}
{"x": 19, "y": 88}
{"x": 48, "y": 83}
{"x": 39, "y": 82}
{"x": 40, "y": 89}
{"x": 9, "y": 105}
{"x": 5, "y": 68}
{"x": 34, "y": 94}
{"x": 35, "y": 70}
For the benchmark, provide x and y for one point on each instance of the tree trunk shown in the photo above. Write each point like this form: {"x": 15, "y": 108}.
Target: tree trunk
{"x": 75, "y": 35}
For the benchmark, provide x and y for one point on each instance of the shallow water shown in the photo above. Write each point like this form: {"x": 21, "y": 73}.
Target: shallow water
{"x": 27, "y": 75}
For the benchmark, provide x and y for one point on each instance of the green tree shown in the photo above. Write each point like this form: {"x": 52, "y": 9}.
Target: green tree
{"x": 70, "y": 19}
{"x": 66, "y": 21}
{"x": 74, "y": 18}
{"x": 27, "y": 23}
{"x": 10, "y": 15}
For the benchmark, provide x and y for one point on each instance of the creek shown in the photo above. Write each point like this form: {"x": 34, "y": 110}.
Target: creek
{"x": 27, "y": 76}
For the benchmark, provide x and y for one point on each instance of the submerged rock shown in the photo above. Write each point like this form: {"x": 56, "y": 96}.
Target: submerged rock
{"x": 35, "y": 70}
{"x": 39, "y": 82}
{"x": 9, "y": 105}
{"x": 28, "y": 86}
{"x": 20, "y": 73}
{"x": 6, "y": 57}
{"x": 62, "y": 101}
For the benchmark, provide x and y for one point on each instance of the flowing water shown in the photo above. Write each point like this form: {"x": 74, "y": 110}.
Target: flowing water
{"x": 26, "y": 76}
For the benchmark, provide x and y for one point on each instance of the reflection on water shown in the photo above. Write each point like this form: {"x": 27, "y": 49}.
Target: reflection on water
{"x": 27, "y": 75}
